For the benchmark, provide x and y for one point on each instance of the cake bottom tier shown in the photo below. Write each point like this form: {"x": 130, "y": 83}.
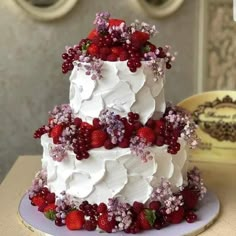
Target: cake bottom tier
{"x": 115, "y": 173}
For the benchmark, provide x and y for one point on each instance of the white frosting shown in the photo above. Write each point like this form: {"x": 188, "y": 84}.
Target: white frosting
{"x": 113, "y": 173}
{"x": 118, "y": 89}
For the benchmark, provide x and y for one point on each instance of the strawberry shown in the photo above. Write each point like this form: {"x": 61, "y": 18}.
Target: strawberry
{"x": 37, "y": 201}
{"x": 104, "y": 51}
{"x": 93, "y": 34}
{"x": 56, "y": 131}
{"x": 138, "y": 207}
{"x": 190, "y": 198}
{"x": 75, "y": 220}
{"x": 105, "y": 224}
{"x": 147, "y": 218}
{"x": 138, "y": 38}
{"x": 117, "y": 50}
{"x": 50, "y": 207}
{"x": 115, "y": 22}
{"x": 176, "y": 216}
{"x": 147, "y": 134}
{"x": 93, "y": 50}
{"x": 98, "y": 138}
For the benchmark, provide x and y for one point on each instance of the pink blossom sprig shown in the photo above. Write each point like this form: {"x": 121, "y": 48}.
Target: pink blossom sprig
{"x": 92, "y": 66}
{"x": 38, "y": 182}
{"x": 138, "y": 147}
{"x": 60, "y": 114}
{"x": 121, "y": 213}
{"x": 180, "y": 118}
{"x": 195, "y": 182}
{"x": 165, "y": 195}
{"x": 113, "y": 125}
{"x": 102, "y": 21}
{"x": 58, "y": 152}
{"x": 144, "y": 27}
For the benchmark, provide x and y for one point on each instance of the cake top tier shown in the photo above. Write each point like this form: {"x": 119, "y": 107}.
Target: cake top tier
{"x": 115, "y": 40}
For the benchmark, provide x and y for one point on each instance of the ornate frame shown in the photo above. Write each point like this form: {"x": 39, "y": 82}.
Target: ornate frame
{"x": 161, "y": 11}
{"x": 59, "y": 9}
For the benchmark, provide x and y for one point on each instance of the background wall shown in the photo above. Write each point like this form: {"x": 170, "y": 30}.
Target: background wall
{"x": 31, "y": 82}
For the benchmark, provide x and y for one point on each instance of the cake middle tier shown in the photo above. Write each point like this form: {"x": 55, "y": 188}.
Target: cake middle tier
{"x": 113, "y": 173}
{"x": 118, "y": 89}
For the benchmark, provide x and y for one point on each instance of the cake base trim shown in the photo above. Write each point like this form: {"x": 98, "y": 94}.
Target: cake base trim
{"x": 208, "y": 212}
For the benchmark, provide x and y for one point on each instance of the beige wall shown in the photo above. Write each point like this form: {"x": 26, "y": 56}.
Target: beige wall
{"x": 30, "y": 79}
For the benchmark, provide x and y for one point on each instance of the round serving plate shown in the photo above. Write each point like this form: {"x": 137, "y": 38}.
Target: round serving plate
{"x": 207, "y": 212}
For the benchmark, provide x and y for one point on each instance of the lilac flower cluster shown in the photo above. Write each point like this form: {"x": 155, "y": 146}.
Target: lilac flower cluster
{"x": 165, "y": 195}
{"x": 39, "y": 181}
{"x": 63, "y": 204}
{"x": 157, "y": 61}
{"x": 93, "y": 68}
{"x": 178, "y": 117}
{"x": 58, "y": 152}
{"x": 143, "y": 27}
{"x": 138, "y": 147}
{"x": 61, "y": 114}
{"x": 114, "y": 126}
{"x": 196, "y": 182}
{"x": 121, "y": 212}
{"x": 101, "y": 21}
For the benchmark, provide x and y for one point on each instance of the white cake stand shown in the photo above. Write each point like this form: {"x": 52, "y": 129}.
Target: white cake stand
{"x": 207, "y": 213}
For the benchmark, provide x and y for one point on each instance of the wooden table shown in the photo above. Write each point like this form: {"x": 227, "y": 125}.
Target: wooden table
{"x": 220, "y": 178}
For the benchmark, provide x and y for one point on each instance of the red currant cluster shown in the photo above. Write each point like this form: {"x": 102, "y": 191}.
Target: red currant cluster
{"x": 39, "y": 132}
{"x": 91, "y": 215}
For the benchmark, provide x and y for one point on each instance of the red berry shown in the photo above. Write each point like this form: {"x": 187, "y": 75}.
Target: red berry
{"x": 89, "y": 225}
{"x": 124, "y": 143}
{"x": 96, "y": 123}
{"x": 56, "y": 131}
{"x": 190, "y": 198}
{"x": 147, "y": 134}
{"x": 138, "y": 38}
{"x": 117, "y": 50}
{"x": 150, "y": 123}
{"x": 190, "y": 217}
{"x": 105, "y": 224}
{"x": 158, "y": 126}
{"x": 155, "y": 205}
{"x": 124, "y": 56}
{"x": 93, "y": 34}
{"x": 108, "y": 144}
{"x": 112, "y": 57}
{"x": 86, "y": 126}
{"x": 98, "y": 138}
{"x": 49, "y": 207}
{"x": 77, "y": 122}
{"x": 160, "y": 141}
{"x": 42, "y": 207}
{"x": 177, "y": 216}
{"x": 37, "y": 201}
{"x": 50, "y": 198}
{"x": 102, "y": 208}
{"x": 138, "y": 207}
{"x": 75, "y": 220}
{"x": 93, "y": 50}
{"x": 104, "y": 51}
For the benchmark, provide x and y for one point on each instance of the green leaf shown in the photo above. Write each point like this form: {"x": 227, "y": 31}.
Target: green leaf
{"x": 51, "y": 215}
{"x": 146, "y": 49}
{"x": 150, "y": 216}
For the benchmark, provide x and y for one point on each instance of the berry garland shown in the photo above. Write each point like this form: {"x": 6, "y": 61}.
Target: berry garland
{"x": 110, "y": 130}
{"x": 114, "y": 40}
{"x": 164, "y": 207}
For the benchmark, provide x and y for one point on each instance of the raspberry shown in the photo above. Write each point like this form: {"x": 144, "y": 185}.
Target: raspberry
{"x": 89, "y": 226}
{"x": 155, "y": 205}
{"x": 138, "y": 207}
{"x": 50, "y": 198}
{"x": 102, "y": 208}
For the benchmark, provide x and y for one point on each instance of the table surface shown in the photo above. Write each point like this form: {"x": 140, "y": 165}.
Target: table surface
{"x": 220, "y": 178}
